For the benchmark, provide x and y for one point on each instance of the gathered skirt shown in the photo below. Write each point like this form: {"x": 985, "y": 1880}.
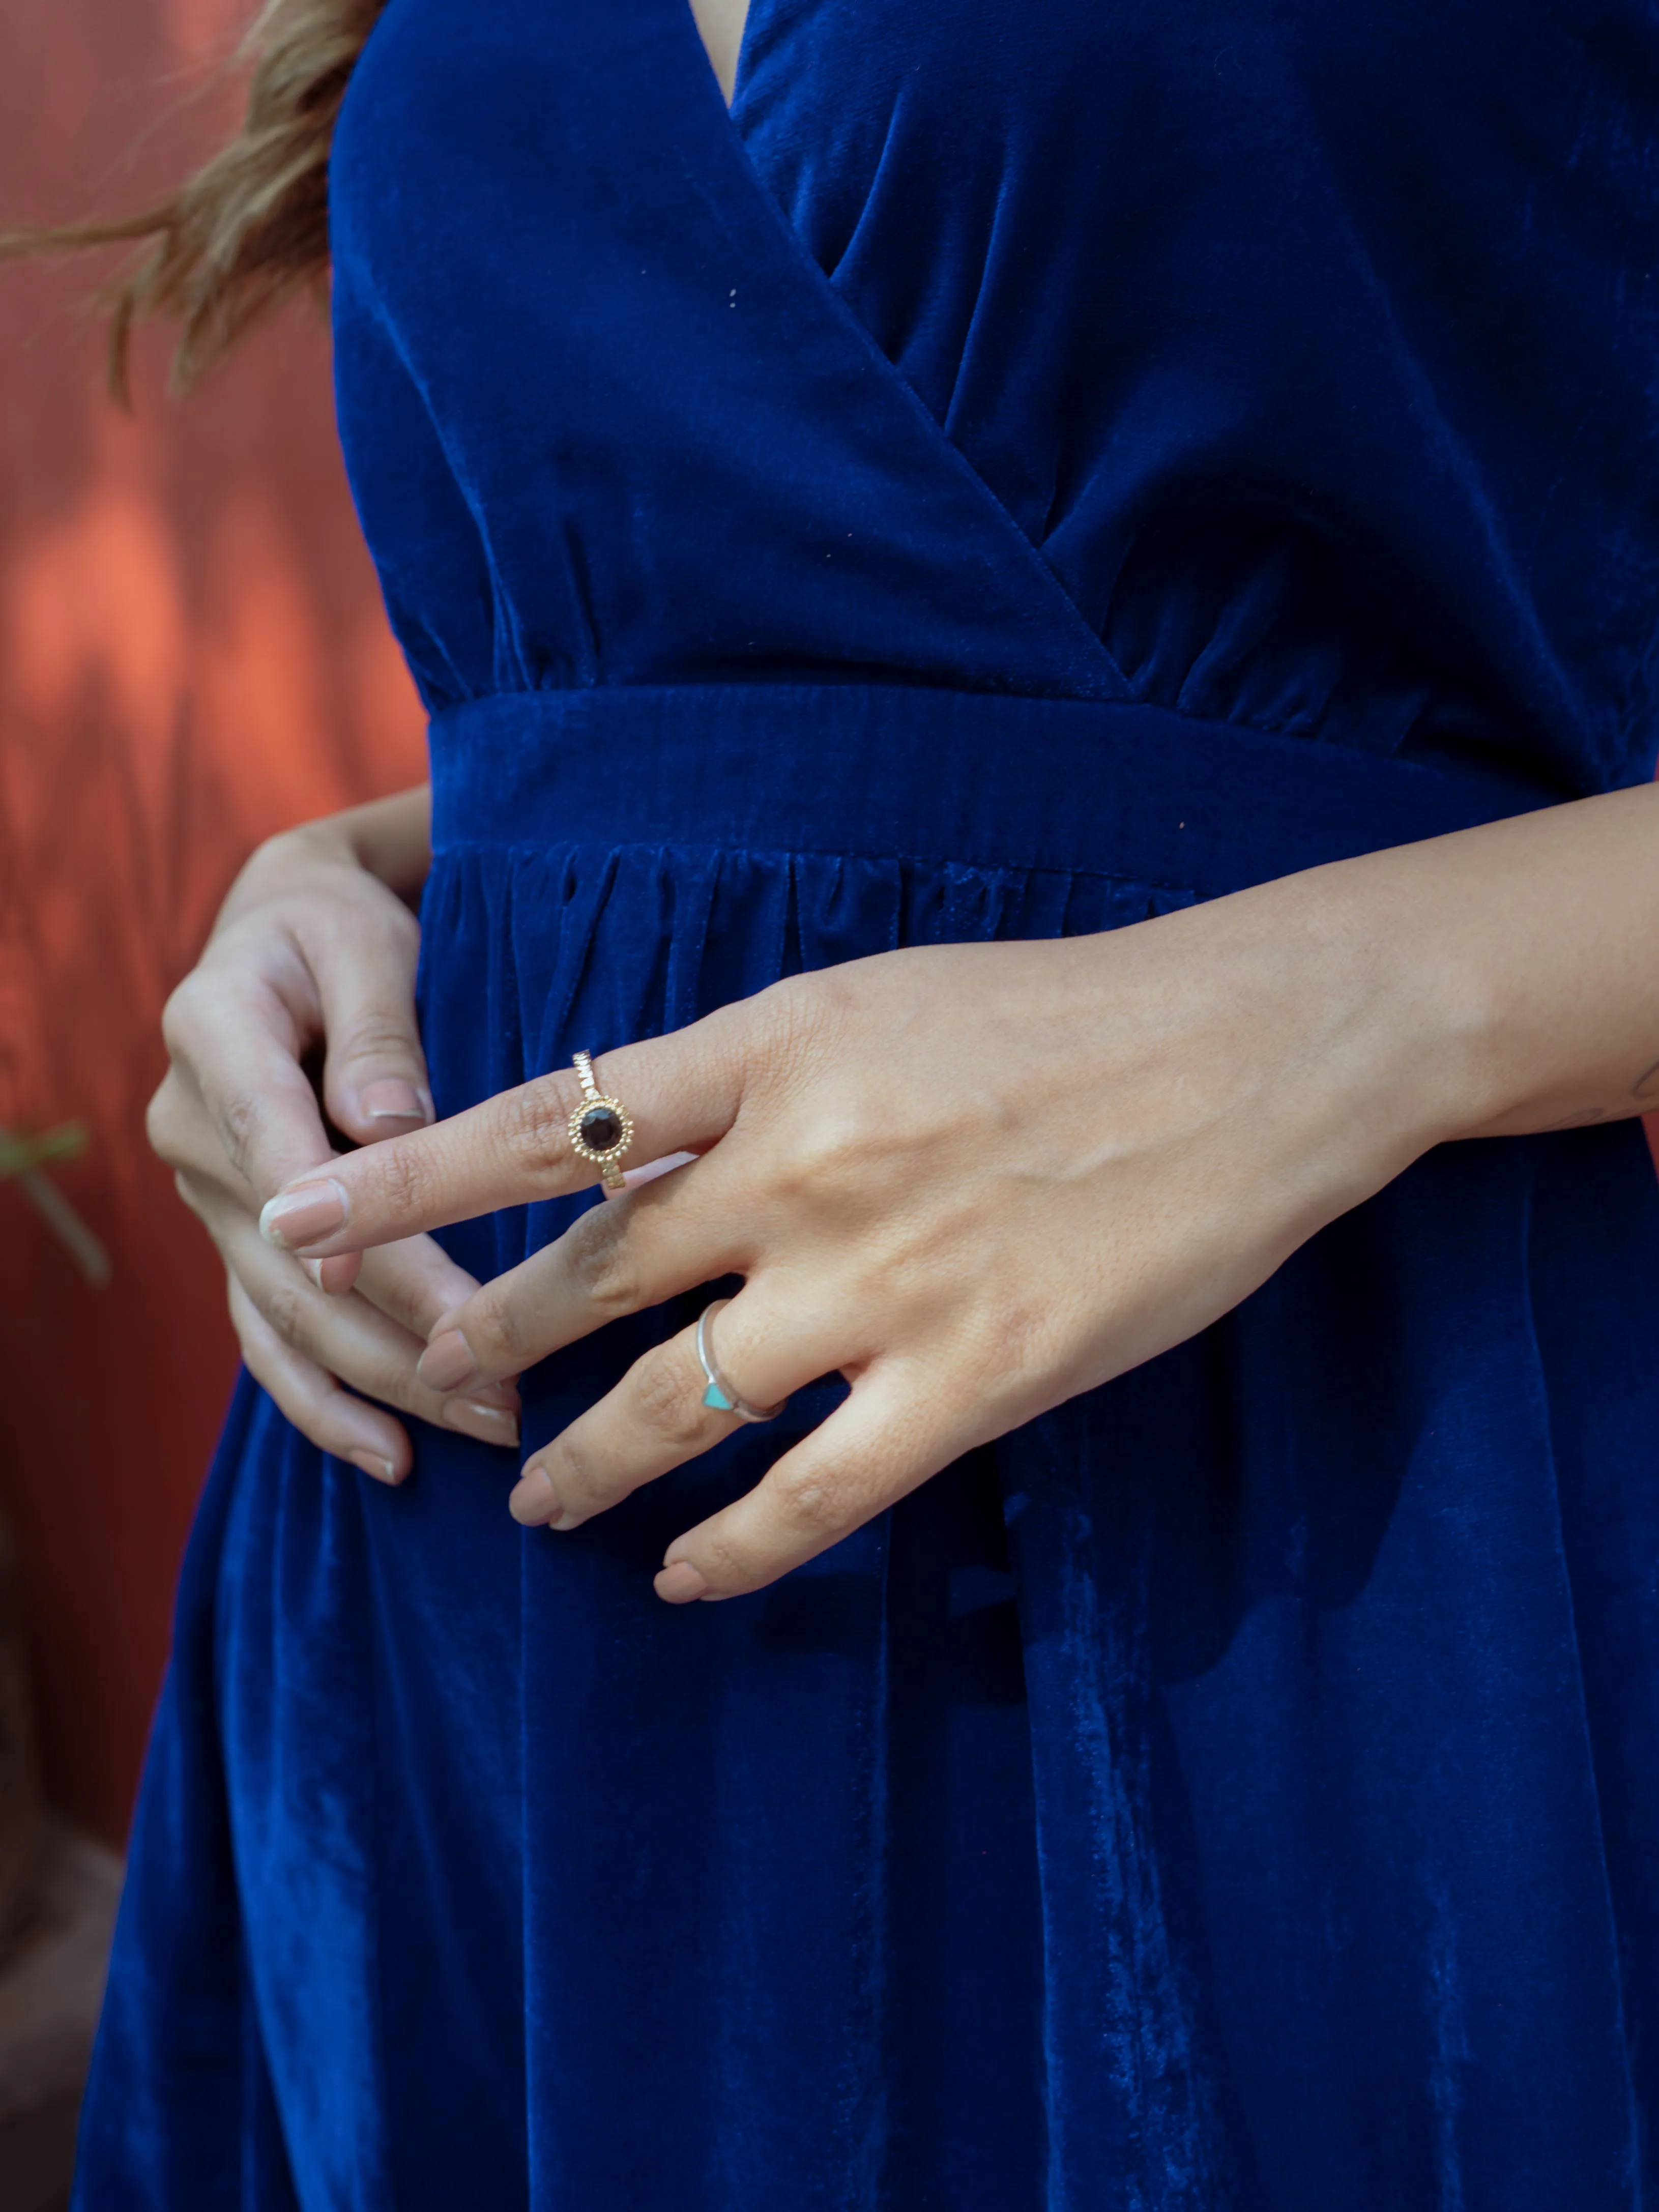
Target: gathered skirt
{"x": 1238, "y": 1789}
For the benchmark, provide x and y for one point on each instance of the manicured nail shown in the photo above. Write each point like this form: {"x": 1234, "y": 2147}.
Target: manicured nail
{"x": 486, "y": 1424}
{"x": 534, "y": 1501}
{"x": 680, "y": 1584}
{"x": 371, "y": 1463}
{"x": 446, "y": 1363}
{"x": 391, "y": 1099}
{"x": 295, "y": 1219}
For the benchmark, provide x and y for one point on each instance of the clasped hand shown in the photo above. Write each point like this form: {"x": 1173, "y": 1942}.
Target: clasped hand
{"x": 314, "y": 953}
{"x": 974, "y": 1180}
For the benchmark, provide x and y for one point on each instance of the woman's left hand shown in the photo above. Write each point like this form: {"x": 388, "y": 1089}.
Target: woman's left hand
{"x": 975, "y": 1180}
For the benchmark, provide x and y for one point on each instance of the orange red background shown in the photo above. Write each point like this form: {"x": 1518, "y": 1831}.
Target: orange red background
{"x": 192, "y": 654}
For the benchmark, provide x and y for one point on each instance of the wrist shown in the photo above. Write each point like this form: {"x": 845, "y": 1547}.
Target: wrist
{"x": 1516, "y": 974}
{"x": 1296, "y": 1005}
{"x": 1365, "y": 1040}
{"x": 1428, "y": 1009}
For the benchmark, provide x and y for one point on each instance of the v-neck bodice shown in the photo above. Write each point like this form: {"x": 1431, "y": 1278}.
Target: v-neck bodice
{"x": 1283, "y": 366}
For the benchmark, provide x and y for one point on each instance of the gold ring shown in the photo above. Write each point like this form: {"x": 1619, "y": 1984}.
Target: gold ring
{"x": 601, "y": 1128}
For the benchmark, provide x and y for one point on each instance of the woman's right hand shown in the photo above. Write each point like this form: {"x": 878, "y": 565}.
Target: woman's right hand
{"x": 314, "y": 952}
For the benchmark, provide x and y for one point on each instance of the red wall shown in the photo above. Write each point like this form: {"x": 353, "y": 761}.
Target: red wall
{"x": 192, "y": 654}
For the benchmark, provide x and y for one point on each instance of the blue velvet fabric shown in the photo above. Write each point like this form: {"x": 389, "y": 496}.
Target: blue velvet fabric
{"x": 1025, "y": 469}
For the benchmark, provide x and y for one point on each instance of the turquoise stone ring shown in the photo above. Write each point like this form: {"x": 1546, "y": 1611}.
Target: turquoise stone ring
{"x": 720, "y": 1396}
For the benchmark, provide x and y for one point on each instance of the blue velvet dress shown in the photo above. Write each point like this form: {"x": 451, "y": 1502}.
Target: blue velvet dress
{"x": 1025, "y": 469}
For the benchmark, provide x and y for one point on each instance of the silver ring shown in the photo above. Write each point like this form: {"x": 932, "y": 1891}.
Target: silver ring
{"x": 720, "y": 1395}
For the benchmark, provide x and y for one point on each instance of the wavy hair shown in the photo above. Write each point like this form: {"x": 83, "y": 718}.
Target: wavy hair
{"x": 252, "y": 225}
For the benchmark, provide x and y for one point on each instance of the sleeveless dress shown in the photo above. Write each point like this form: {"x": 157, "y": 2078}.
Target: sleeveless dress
{"x": 1024, "y": 470}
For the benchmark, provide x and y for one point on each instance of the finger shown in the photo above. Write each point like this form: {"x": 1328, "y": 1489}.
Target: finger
{"x": 882, "y": 1442}
{"x": 309, "y": 1397}
{"x": 647, "y": 1246}
{"x": 657, "y": 1416}
{"x": 183, "y": 1133}
{"x": 242, "y": 1044}
{"x": 682, "y": 1092}
{"x": 352, "y": 1341}
{"x": 374, "y": 1074}
{"x": 414, "y": 1283}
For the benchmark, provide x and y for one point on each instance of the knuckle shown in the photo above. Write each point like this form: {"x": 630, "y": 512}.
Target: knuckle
{"x": 179, "y": 1018}
{"x": 802, "y": 1012}
{"x": 163, "y": 1124}
{"x": 239, "y": 1127}
{"x": 379, "y": 1380}
{"x": 838, "y": 1156}
{"x": 496, "y": 1330}
{"x": 379, "y": 1033}
{"x": 277, "y": 852}
{"x": 665, "y": 1401}
{"x": 286, "y": 1306}
{"x": 811, "y": 1498}
{"x": 1017, "y": 1338}
{"x": 725, "y": 1562}
{"x": 576, "y": 1481}
{"x": 840, "y": 1145}
{"x": 598, "y": 1257}
{"x": 536, "y": 1127}
{"x": 402, "y": 1176}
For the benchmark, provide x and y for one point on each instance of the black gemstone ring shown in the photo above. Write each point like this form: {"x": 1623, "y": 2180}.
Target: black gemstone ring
{"x": 601, "y": 1128}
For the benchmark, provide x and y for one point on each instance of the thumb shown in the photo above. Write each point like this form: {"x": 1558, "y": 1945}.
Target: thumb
{"x": 374, "y": 1074}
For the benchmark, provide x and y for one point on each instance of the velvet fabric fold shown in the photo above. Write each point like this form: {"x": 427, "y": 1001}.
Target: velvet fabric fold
{"x": 1193, "y": 1801}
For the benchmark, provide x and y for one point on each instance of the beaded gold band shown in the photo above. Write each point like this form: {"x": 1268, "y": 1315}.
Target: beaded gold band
{"x": 601, "y": 1128}
{"x": 720, "y": 1395}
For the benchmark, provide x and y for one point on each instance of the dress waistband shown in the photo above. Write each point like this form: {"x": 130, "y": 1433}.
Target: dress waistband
{"x": 970, "y": 777}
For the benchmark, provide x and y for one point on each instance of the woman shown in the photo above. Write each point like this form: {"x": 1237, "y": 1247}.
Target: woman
{"x": 1041, "y": 639}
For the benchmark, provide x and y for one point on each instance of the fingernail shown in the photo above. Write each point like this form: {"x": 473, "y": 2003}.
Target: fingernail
{"x": 371, "y": 1463}
{"x": 391, "y": 1099}
{"x": 680, "y": 1584}
{"x": 446, "y": 1363}
{"x": 486, "y": 1424}
{"x": 295, "y": 1219}
{"x": 496, "y": 1393}
{"x": 534, "y": 1501}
